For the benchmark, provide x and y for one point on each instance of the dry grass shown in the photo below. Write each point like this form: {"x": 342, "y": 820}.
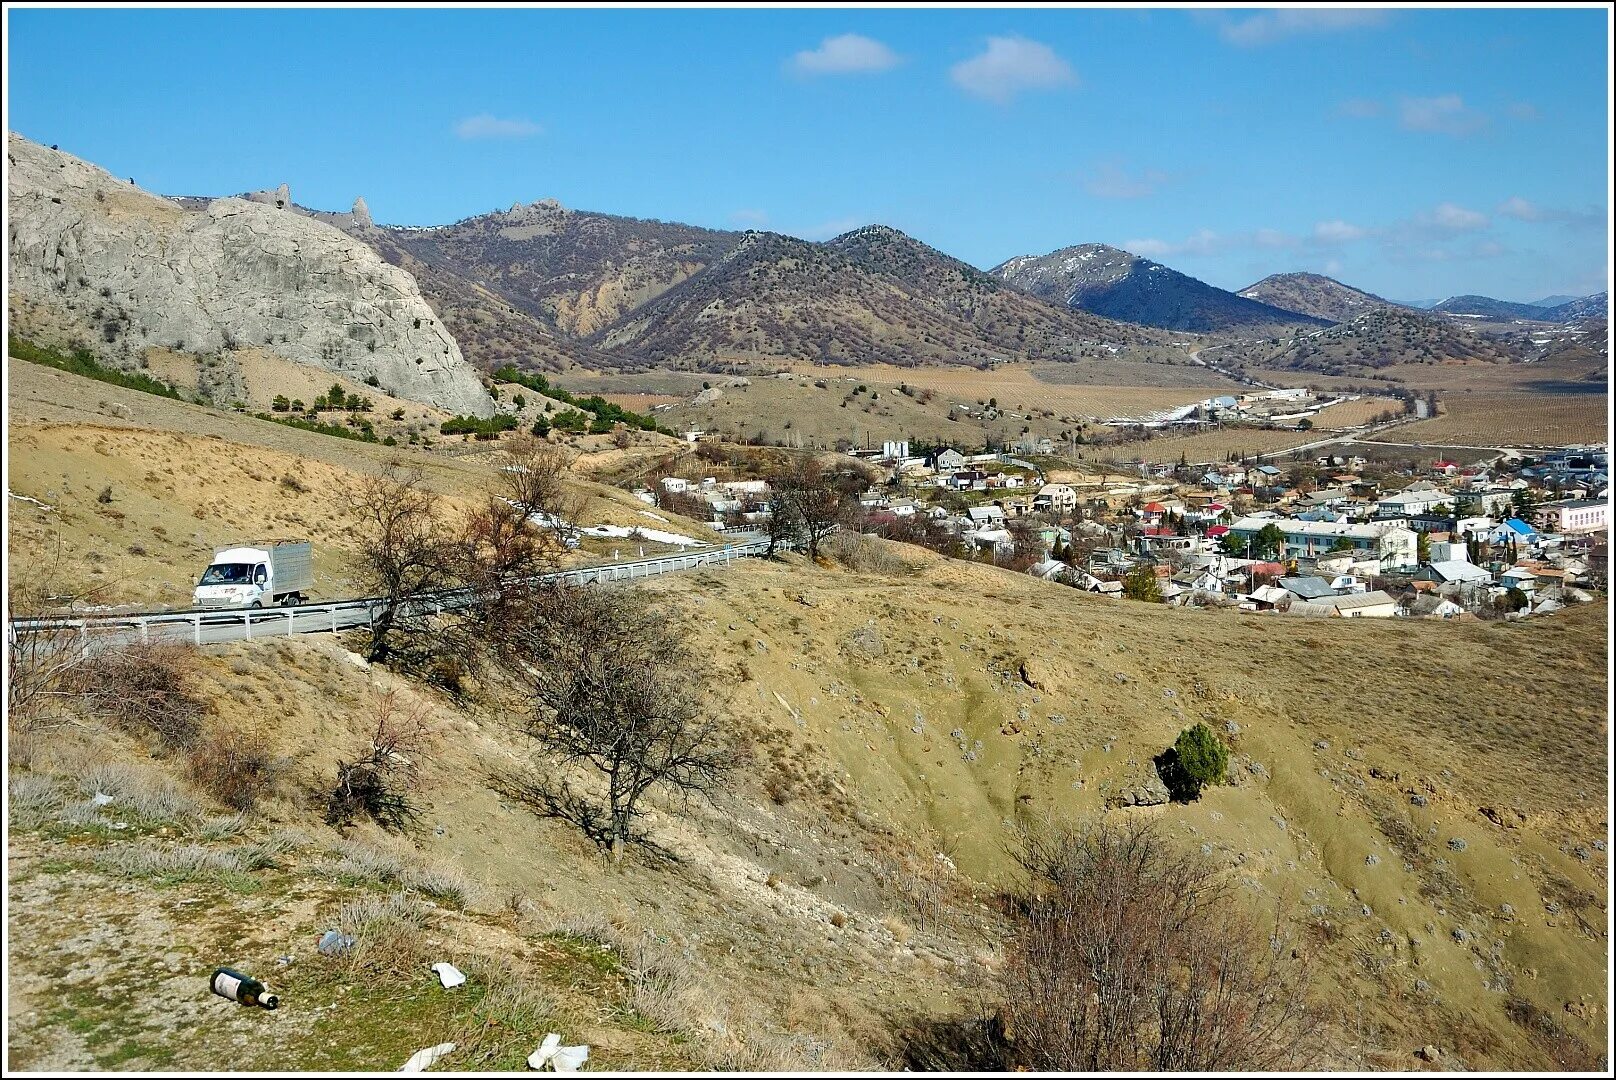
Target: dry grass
{"x": 1516, "y": 419}
{"x": 389, "y": 936}
{"x": 1212, "y": 445}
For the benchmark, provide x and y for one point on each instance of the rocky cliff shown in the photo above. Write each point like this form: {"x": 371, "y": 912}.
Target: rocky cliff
{"x": 98, "y": 261}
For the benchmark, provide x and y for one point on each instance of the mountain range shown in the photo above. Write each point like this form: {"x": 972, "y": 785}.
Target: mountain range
{"x": 547, "y": 287}
{"x": 1129, "y": 288}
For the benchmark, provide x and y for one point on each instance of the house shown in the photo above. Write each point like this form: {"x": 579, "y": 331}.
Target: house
{"x": 1056, "y": 499}
{"x": 1390, "y": 546}
{"x": 1431, "y": 606}
{"x": 1050, "y": 570}
{"x": 1368, "y": 605}
{"x": 1519, "y": 577}
{"x": 1515, "y": 531}
{"x": 1265, "y": 598}
{"x": 986, "y": 516}
{"x": 1453, "y": 572}
{"x": 1202, "y": 580}
{"x": 1306, "y": 588}
{"x": 949, "y": 461}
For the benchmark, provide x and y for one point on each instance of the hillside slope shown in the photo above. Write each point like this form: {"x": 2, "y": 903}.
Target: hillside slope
{"x": 1314, "y": 294}
{"x": 1379, "y": 338}
{"x": 1120, "y": 285}
{"x": 99, "y": 263}
{"x": 576, "y": 271}
{"x": 873, "y": 296}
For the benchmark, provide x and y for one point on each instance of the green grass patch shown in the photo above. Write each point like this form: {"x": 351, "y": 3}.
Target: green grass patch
{"x": 81, "y": 362}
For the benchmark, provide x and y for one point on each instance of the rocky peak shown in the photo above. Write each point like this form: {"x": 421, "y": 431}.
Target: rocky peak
{"x": 99, "y": 261}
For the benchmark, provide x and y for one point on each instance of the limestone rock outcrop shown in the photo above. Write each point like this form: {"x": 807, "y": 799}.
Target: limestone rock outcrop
{"x": 122, "y": 270}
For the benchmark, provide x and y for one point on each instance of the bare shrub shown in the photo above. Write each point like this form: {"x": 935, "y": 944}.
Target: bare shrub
{"x": 140, "y": 796}
{"x": 384, "y": 782}
{"x": 221, "y": 826}
{"x": 866, "y": 554}
{"x": 233, "y": 765}
{"x": 359, "y": 863}
{"x": 1131, "y": 956}
{"x": 34, "y": 800}
{"x": 145, "y": 688}
{"x": 444, "y": 884}
{"x": 185, "y": 862}
{"x": 39, "y": 584}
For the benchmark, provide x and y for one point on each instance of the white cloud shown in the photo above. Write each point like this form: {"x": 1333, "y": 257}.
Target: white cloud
{"x": 1525, "y": 210}
{"x": 1453, "y": 218}
{"x": 752, "y": 219}
{"x": 485, "y": 126}
{"x": 1111, "y": 181}
{"x": 1337, "y": 232}
{"x": 845, "y": 54}
{"x": 1202, "y": 242}
{"x": 1520, "y": 209}
{"x": 1445, "y": 114}
{"x": 1333, "y": 267}
{"x": 1010, "y": 65}
{"x": 827, "y": 229}
{"x": 1273, "y": 239}
{"x": 1360, "y": 108}
{"x": 1272, "y": 26}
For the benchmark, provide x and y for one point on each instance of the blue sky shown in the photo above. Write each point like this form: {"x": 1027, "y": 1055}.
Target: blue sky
{"x": 1417, "y": 154}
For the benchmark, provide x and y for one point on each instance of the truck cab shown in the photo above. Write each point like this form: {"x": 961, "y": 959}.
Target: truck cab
{"x": 256, "y": 577}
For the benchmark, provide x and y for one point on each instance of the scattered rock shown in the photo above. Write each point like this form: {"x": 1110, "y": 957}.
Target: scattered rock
{"x": 1145, "y": 791}
{"x": 1231, "y": 728}
{"x": 1457, "y": 844}
{"x": 867, "y": 640}
{"x": 1419, "y": 800}
{"x": 1428, "y": 1053}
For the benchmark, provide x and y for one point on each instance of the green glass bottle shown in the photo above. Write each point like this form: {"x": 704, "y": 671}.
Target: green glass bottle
{"x": 232, "y": 984}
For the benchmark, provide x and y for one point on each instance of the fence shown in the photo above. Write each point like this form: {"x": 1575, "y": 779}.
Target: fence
{"x": 208, "y": 626}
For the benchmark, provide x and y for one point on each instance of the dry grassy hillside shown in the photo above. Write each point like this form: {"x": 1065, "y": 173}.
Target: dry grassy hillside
{"x": 1424, "y": 805}
{"x": 139, "y": 490}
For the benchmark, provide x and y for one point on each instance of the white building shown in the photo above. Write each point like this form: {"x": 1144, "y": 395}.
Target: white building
{"x": 1405, "y": 503}
{"x": 1576, "y": 516}
{"x": 1389, "y": 546}
{"x": 1056, "y": 498}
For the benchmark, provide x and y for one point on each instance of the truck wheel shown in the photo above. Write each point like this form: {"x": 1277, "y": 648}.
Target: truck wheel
{"x": 256, "y": 605}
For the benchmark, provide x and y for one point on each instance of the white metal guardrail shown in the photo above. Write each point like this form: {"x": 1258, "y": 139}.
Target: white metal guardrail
{"x": 204, "y": 626}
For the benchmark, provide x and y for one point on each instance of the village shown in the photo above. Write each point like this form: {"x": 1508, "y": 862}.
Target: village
{"x": 1328, "y": 536}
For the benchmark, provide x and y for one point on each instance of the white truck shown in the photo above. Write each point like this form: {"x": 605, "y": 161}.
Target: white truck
{"x": 257, "y": 575}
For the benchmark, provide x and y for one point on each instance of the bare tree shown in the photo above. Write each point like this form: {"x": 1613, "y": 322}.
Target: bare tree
{"x": 404, "y": 550}
{"x": 506, "y": 543}
{"x": 814, "y": 500}
{"x": 608, "y": 685}
{"x": 1133, "y": 956}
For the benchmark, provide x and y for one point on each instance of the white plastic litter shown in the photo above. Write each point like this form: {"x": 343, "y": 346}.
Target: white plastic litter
{"x": 560, "y": 1058}
{"x": 101, "y": 798}
{"x": 421, "y": 1060}
{"x": 449, "y": 975}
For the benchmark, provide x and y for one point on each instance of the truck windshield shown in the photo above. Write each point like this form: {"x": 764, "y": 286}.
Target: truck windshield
{"x": 228, "y": 573}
